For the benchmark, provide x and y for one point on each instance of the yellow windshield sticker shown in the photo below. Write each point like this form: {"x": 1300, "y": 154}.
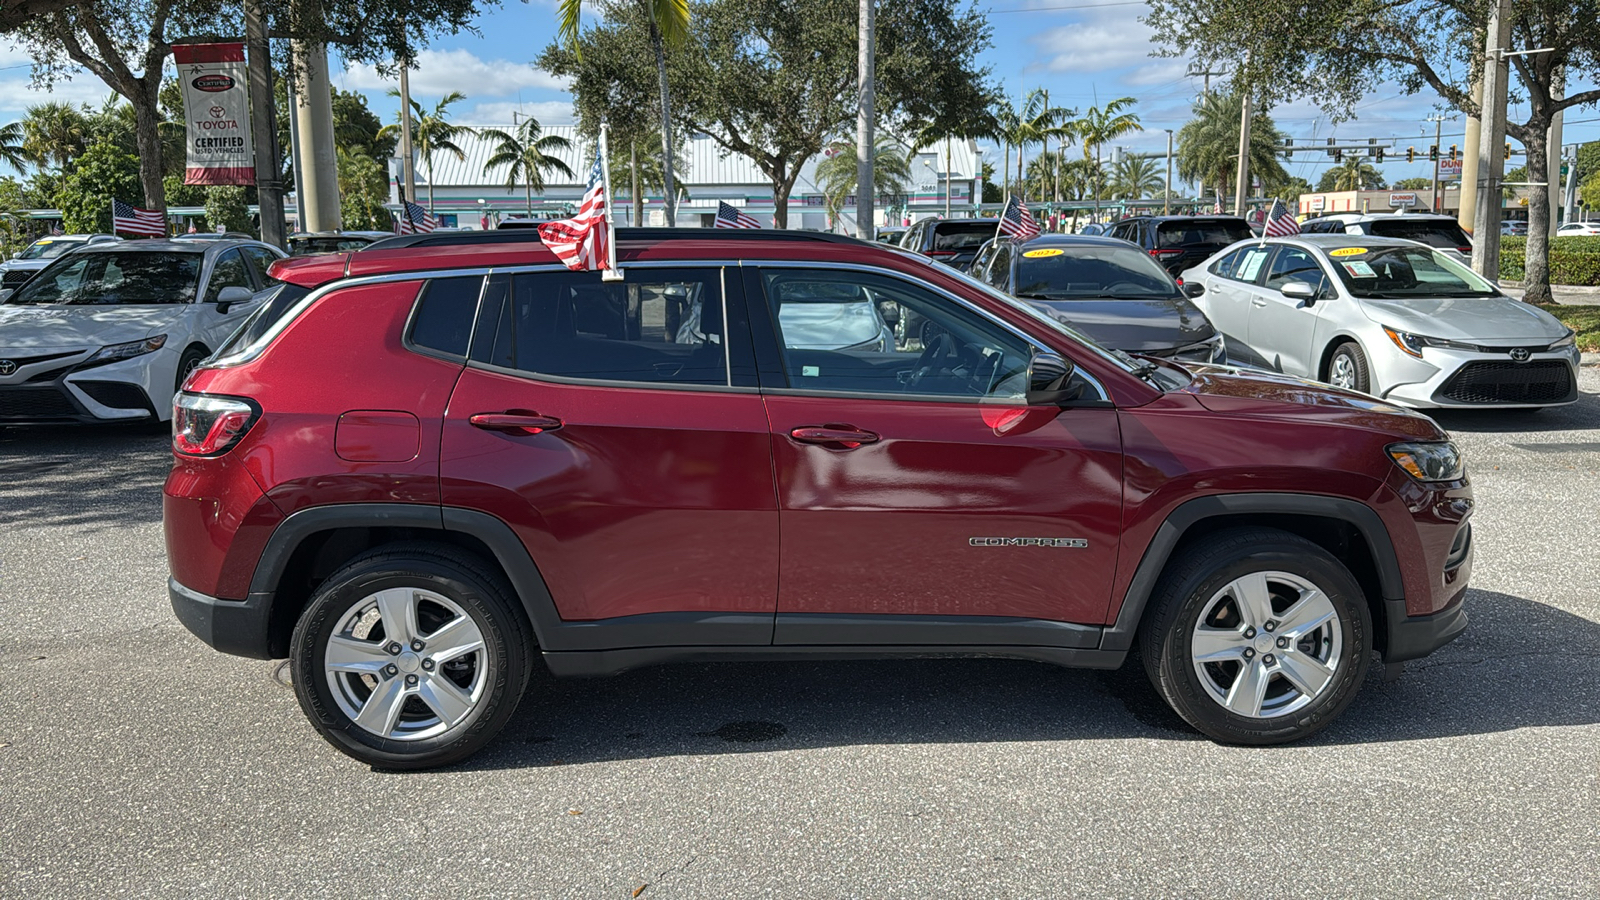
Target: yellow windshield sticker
{"x": 1049, "y": 251}
{"x": 1348, "y": 251}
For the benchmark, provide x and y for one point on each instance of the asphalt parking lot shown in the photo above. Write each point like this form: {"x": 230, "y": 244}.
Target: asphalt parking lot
{"x": 136, "y": 761}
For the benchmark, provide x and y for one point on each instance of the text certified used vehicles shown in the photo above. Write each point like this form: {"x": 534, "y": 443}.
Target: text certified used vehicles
{"x": 108, "y": 332}
{"x": 1392, "y": 318}
{"x": 424, "y": 470}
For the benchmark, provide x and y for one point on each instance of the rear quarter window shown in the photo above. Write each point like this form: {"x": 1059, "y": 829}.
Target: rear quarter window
{"x": 445, "y": 311}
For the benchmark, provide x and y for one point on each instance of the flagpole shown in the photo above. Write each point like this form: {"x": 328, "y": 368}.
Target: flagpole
{"x": 611, "y": 273}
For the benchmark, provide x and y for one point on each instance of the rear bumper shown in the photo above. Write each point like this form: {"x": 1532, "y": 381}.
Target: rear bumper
{"x": 238, "y": 627}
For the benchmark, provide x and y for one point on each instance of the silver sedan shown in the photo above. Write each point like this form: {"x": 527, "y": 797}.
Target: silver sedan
{"x": 1388, "y": 317}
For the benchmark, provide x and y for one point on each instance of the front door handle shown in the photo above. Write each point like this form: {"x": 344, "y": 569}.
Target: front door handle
{"x": 515, "y": 421}
{"x": 847, "y": 436}
{"x": 1257, "y": 302}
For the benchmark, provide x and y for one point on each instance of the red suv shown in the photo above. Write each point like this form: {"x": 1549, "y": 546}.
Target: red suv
{"x": 424, "y": 468}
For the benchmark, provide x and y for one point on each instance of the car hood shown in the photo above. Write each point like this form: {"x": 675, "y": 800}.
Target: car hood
{"x": 1470, "y": 319}
{"x": 1136, "y": 326}
{"x": 1225, "y": 389}
{"x": 74, "y": 327}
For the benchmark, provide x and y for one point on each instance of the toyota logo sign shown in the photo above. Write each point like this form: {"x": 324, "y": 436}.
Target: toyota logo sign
{"x": 1520, "y": 354}
{"x": 7, "y": 366}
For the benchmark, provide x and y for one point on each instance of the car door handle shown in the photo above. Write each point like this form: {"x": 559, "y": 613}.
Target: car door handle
{"x": 847, "y": 436}
{"x": 1257, "y": 301}
{"x": 515, "y": 421}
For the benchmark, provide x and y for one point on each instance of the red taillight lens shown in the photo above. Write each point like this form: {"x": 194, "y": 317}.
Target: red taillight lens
{"x": 1464, "y": 249}
{"x": 209, "y": 426}
{"x": 1162, "y": 254}
{"x": 942, "y": 253}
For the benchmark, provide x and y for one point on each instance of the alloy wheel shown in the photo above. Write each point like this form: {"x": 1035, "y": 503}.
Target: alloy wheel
{"x": 1342, "y": 372}
{"x": 1267, "y": 644}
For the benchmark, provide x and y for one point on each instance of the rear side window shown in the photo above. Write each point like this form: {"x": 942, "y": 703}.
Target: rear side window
{"x": 1187, "y": 233}
{"x": 660, "y": 326}
{"x": 1433, "y": 232}
{"x": 443, "y": 319}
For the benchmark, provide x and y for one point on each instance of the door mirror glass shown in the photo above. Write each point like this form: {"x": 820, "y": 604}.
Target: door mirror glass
{"x": 1299, "y": 290}
{"x": 1050, "y": 379}
{"x": 1193, "y": 289}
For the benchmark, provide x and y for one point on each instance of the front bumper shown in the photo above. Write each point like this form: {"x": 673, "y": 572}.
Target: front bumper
{"x": 1413, "y": 637}
{"x": 238, "y": 627}
{"x": 1461, "y": 379}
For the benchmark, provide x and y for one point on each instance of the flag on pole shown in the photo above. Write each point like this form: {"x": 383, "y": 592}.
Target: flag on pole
{"x": 413, "y": 219}
{"x": 1216, "y": 208}
{"x": 133, "y": 220}
{"x": 583, "y": 241}
{"x": 1279, "y": 221}
{"x": 730, "y": 217}
{"x": 1016, "y": 221}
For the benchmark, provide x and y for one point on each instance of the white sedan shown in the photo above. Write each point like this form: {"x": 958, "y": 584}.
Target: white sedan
{"x": 108, "y": 332}
{"x": 1384, "y": 316}
{"x": 1578, "y": 228}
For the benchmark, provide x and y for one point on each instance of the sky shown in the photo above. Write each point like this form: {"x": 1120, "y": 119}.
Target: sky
{"x": 1083, "y": 51}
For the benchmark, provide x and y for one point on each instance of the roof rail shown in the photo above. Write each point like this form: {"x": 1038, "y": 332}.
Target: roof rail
{"x": 624, "y": 236}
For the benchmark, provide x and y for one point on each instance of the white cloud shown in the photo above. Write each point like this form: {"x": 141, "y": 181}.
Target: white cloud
{"x": 1094, "y": 48}
{"x": 17, "y": 92}
{"x": 1157, "y": 73}
{"x": 550, "y": 112}
{"x": 438, "y": 72}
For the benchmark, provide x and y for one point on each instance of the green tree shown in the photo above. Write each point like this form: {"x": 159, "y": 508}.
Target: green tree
{"x": 1135, "y": 178}
{"x": 432, "y": 133}
{"x": 891, "y": 174}
{"x": 1290, "y": 189}
{"x": 1034, "y": 122}
{"x": 54, "y": 134}
{"x": 1413, "y": 184}
{"x": 1208, "y": 144}
{"x": 13, "y": 147}
{"x": 226, "y": 207}
{"x": 528, "y": 155}
{"x": 101, "y": 174}
{"x": 1102, "y": 124}
{"x": 1353, "y": 174}
{"x": 363, "y": 191}
{"x": 1589, "y": 191}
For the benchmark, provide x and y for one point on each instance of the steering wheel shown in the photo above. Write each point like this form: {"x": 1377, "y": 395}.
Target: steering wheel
{"x": 942, "y": 346}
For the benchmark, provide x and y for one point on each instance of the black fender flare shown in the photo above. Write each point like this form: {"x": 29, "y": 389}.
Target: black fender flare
{"x": 1365, "y": 520}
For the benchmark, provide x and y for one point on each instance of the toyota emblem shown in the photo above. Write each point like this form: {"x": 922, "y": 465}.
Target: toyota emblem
{"x": 1520, "y": 354}
{"x": 7, "y": 366}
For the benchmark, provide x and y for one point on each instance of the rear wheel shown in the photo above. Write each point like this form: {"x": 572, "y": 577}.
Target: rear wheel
{"x": 410, "y": 657}
{"x": 1257, "y": 636}
{"x": 1347, "y": 368}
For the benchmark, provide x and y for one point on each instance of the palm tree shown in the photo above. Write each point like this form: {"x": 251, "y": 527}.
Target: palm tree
{"x": 1355, "y": 174}
{"x": 528, "y": 155}
{"x": 55, "y": 133}
{"x": 1135, "y": 178}
{"x": 13, "y": 147}
{"x": 643, "y": 175}
{"x": 1101, "y": 125}
{"x": 432, "y": 133}
{"x": 1208, "y": 145}
{"x": 669, "y": 24}
{"x": 1035, "y": 122}
{"x": 836, "y": 174}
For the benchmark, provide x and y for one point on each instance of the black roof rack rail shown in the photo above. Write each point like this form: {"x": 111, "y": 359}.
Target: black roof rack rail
{"x": 624, "y": 236}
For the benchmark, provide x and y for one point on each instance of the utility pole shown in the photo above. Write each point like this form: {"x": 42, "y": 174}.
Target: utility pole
{"x": 294, "y": 151}
{"x": 269, "y": 189}
{"x": 1571, "y": 192}
{"x": 1196, "y": 72}
{"x": 1491, "y": 144}
{"x": 408, "y": 172}
{"x": 1241, "y": 184}
{"x": 1466, "y": 194}
{"x": 865, "y": 116}
{"x": 313, "y": 105}
{"x": 1558, "y": 87}
{"x": 1166, "y": 200}
{"x": 1438, "y": 125}
{"x": 947, "y": 174}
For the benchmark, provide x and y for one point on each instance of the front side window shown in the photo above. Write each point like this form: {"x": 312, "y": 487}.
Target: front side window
{"x": 229, "y": 271}
{"x": 1294, "y": 264}
{"x": 660, "y": 326}
{"x": 1000, "y": 264}
{"x": 106, "y": 279}
{"x": 834, "y": 335}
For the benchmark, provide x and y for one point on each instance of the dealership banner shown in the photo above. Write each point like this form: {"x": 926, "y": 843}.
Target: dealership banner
{"x": 216, "y": 105}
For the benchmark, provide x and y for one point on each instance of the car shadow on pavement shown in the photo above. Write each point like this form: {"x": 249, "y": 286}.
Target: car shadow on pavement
{"x": 1580, "y": 415}
{"x": 92, "y": 476}
{"x": 1520, "y": 664}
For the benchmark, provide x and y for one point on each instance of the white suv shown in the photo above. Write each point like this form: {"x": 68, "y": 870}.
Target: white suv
{"x": 108, "y": 332}
{"x": 1443, "y": 233}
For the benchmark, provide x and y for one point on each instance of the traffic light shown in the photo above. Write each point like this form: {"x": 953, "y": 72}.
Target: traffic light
{"x": 1411, "y": 154}
{"x": 1331, "y": 151}
{"x": 1452, "y": 152}
{"x": 1377, "y": 155}
{"x": 1508, "y": 149}
{"x": 1288, "y": 148}
{"x": 1433, "y": 152}
{"x": 1338, "y": 156}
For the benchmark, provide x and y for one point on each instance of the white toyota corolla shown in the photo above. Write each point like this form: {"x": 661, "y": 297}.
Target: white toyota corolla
{"x": 1388, "y": 317}
{"x": 108, "y": 332}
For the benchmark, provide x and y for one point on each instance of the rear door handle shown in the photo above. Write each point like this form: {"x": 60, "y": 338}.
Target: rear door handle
{"x": 515, "y": 421}
{"x": 847, "y": 436}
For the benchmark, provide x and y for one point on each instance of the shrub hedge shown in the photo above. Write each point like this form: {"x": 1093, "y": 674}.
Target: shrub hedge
{"x": 1573, "y": 260}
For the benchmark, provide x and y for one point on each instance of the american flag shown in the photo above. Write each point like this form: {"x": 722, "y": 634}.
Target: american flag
{"x": 1216, "y": 208}
{"x": 1016, "y": 221}
{"x": 413, "y": 219}
{"x": 580, "y": 241}
{"x": 133, "y": 220}
{"x": 1279, "y": 222}
{"x": 731, "y": 217}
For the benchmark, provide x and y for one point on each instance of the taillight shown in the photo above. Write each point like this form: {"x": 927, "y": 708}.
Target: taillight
{"x": 937, "y": 254}
{"x": 1466, "y": 250}
{"x": 209, "y": 426}
{"x": 1163, "y": 254}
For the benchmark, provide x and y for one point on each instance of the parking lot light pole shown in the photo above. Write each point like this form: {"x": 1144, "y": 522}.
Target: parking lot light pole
{"x": 1166, "y": 200}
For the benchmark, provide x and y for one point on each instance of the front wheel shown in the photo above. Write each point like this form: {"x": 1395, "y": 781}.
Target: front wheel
{"x": 1348, "y": 368}
{"x": 1257, "y": 636}
{"x": 410, "y": 657}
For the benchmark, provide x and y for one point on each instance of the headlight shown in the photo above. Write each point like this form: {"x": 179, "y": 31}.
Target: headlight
{"x": 1564, "y": 343}
{"x": 1412, "y": 344}
{"x": 1439, "y": 461}
{"x": 118, "y": 352}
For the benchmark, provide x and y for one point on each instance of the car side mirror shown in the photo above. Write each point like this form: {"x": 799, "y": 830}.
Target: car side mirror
{"x": 1050, "y": 380}
{"x": 231, "y": 295}
{"x": 1299, "y": 290}
{"x": 1192, "y": 289}
{"x": 5, "y": 294}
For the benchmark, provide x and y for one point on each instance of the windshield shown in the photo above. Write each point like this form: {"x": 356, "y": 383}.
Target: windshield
{"x": 962, "y": 235}
{"x": 1189, "y": 232}
{"x": 319, "y": 245}
{"x": 1433, "y": 232}
{"x": 1090, "y": 271}
{"x": 47, "y": 248}
{"x": 1400, "y": 273}
{"x": 114, "y": 278}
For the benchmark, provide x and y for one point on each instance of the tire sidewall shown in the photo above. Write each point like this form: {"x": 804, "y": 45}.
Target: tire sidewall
{"x": 1358, "y": 363}
{"x": 1183, "y": 685}
{"x": 506, "y": 658}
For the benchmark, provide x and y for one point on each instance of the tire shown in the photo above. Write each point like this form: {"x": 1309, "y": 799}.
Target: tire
{"x": 1347, "y": 368}
{"x": 187, "y": 363}
{"x": 443, "y": 710}
{"x": 1303, "y": 687}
